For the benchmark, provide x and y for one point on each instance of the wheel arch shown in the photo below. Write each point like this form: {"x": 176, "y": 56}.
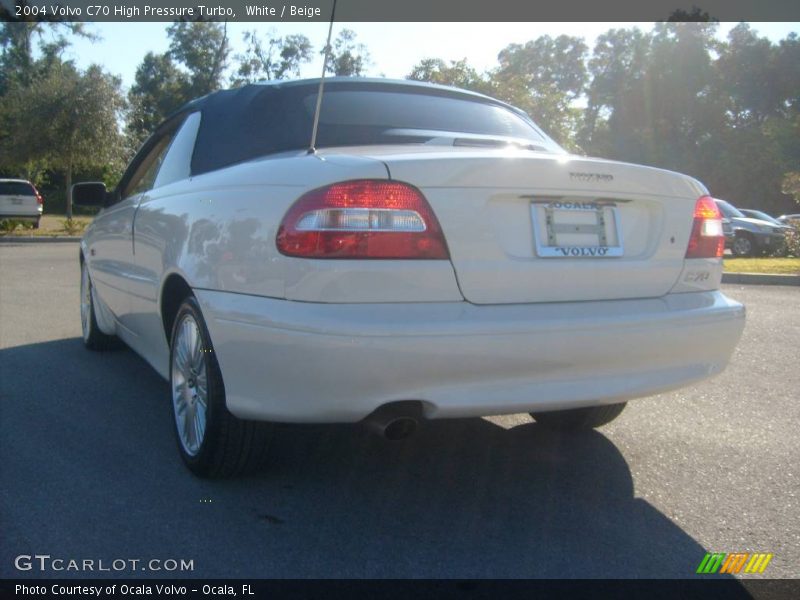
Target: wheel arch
{"x": 106, "y": 321}
{"x": 174, "y": 290}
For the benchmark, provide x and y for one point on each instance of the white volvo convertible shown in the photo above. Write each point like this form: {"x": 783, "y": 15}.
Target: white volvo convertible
{"x": 435, "y": 256}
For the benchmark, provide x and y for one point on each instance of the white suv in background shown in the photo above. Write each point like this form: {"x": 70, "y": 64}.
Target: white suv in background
{"x": 20, "y": 200}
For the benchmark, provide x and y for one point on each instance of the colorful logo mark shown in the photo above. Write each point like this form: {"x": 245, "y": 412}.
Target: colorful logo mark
{"x": 733, "y": 563}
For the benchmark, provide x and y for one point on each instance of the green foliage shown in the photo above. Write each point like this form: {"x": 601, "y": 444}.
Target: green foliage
{"x": 202, "y": 47}
{"x": 66, "y": 119}
{"x": 793, "y": 241}
{"x": 544, "y": 77}
{"x": 9, "y": 225}
{"x": 72, "y": 226}
{"x": 193, "y": 66}
{"x": 747, "y": 66}
{"x": 791, "y": 185}
{"x": 70, "y": 118}
{"x": 17, "y": 64}
{"x": 277, "y": 58}
{"x": 555, "y": 64}
{"x": 457, "y": 74}
{"x": 665, "y": 105}
{"x": 53, "y": 117}
{"x": 159, "y": 89}
{"x": 617, "y": 69}
{"x": 347, "y": 57}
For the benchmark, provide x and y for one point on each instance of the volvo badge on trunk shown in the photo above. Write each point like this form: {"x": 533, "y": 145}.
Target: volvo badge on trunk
{"x": 591, "y": 177}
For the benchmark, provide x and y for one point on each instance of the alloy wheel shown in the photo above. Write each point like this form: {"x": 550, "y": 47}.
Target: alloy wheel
{"x": 189, "y": 385}
{"x": 742, "y": 246}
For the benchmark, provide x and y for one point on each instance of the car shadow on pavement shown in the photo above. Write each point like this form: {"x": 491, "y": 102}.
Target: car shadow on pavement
{"x": 468, "y": 498}
{"x": 91, "y": 465}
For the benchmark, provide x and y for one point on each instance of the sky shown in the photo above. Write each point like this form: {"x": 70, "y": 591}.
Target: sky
{"x": 394, "y": 47}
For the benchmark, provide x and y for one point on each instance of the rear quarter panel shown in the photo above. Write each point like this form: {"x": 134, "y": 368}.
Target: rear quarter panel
{"x": 218, "y": 230}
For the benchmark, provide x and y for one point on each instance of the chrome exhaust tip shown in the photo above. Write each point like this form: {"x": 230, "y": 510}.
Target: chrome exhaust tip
{"x": 399, "y": 428}
{"x": 395, "y": 421}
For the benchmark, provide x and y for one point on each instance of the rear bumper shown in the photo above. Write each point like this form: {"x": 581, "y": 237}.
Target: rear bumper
{"x": 27, "y": 215}
{"x": 309, "y": 362}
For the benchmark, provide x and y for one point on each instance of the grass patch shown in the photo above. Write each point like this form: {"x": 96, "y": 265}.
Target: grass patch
{"x": 773, "y": 266}
{"x": 51, "y": 226}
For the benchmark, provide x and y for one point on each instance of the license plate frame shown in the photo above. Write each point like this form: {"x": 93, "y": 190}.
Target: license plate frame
{"x": 597, "y": 222}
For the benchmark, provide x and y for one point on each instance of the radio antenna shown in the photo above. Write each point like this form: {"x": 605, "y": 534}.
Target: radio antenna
{"x": 312, "y": 147}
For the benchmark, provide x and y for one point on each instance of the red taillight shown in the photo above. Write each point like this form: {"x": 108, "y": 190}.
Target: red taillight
{"x": 362, "y": 219}
{"x": 707, "y": 239}
{"x": 39, "y": 199}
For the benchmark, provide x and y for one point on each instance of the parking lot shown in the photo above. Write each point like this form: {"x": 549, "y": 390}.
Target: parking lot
{"x": 90, "y": 470}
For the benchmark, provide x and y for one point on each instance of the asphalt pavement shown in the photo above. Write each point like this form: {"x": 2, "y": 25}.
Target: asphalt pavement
{"x": 89, "y": 469}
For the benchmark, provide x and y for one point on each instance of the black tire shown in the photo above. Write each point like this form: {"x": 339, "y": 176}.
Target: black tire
{"x": 37, "y": 222}
{"x": 743, "y": 245}
{"x": 229, "y": 446}
{"x": 93, "y": 338}
{"x": 578, "y": 419}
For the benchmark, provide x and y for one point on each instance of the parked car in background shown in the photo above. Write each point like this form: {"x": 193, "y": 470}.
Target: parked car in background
{"x": 790, "y": 219}
{"x": 20, "y": 201}
{"x": 748, "y": 236}
{"x": 727, "y": 231}
{"x": 435, "y": 255}
{"x": 759, "y": 214}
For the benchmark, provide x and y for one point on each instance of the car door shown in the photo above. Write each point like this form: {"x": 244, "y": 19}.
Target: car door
{"x": 158, "y": 229}
{"x": 110, "y": 240}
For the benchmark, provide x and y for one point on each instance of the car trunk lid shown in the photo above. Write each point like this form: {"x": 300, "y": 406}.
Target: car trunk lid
{"x": 535, "y": 227}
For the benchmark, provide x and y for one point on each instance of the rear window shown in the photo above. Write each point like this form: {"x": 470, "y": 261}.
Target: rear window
{"x": 255, "y": 121}
{"x": 16, "y": 188}
{"x": 381, "y": 117}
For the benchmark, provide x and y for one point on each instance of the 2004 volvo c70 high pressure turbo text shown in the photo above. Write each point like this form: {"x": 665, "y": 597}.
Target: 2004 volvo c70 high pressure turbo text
{"x": 436, "y": 255}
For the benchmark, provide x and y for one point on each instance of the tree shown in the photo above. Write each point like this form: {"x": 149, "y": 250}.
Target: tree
{"x": 617, "y": 69}
{"x": 651, "y": 98}
{"x": 749, "y": 148}
{"x": 159, "y": 89}
{"x": 748, "y": 78}
{"x": 696, "y": 14}
{"x": 193, "y": 66}
{"x": 545, "y": 77}
{"x": 791, "y": 185}
{"x": 67, "y": 119}
{"x": 17, "y": 64}
{"x": 347, "y": 57}
{"x": 202, "y": 47}
{"x": 457, "y": 74}
{"x": 681, "y": 108}
{"x": 279, "y": 58}
{"x": 788, "y": 72}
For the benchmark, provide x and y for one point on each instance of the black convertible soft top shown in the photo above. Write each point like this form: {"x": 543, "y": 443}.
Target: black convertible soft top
{"x": 267, "y": 118}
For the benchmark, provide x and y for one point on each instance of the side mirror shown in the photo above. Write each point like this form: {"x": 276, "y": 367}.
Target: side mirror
{"x": 91, "y": 193}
